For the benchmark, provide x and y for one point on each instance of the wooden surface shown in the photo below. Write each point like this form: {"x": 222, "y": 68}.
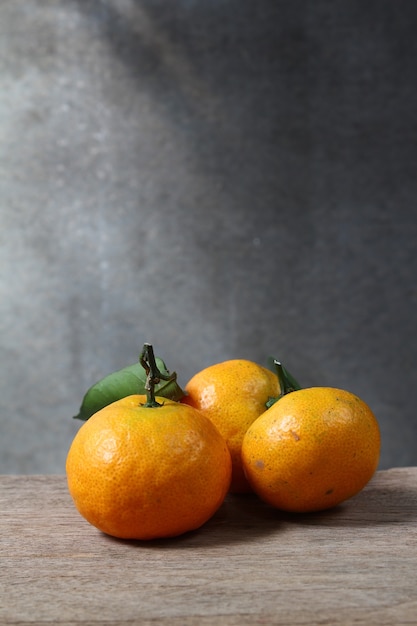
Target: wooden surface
{"x": 250, "y": 564}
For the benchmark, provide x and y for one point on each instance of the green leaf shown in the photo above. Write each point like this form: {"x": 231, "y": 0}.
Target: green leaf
{"x": 290, "y": 378}
{"x": 287, "y": 381}
{"x": 126, "y": 382}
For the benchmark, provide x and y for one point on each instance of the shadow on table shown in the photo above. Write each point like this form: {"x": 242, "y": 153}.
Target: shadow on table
{"x": 244, "y": 518}
{"x": 376, "y": 505}
{"x": 240, "y": 519}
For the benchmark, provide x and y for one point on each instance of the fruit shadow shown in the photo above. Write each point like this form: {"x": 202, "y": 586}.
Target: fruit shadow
{"x": 377, "y": 505}
{"x": 374, "y": 506}
{"x": 241, "y": 518}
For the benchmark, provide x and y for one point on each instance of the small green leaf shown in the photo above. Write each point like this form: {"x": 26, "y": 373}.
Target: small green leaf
{"x": 287, "y": 381}
{"x": 290, "y": 378}
{"x": 126, "y": 382}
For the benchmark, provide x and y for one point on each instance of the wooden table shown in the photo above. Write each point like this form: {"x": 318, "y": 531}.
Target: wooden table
{"x": 249, "y": 564}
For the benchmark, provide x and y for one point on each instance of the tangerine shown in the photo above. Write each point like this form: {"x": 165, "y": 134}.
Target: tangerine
{"x": 144, "y": 472}
{"x": 232, "y": 394}
{"x": 312, "y": 449}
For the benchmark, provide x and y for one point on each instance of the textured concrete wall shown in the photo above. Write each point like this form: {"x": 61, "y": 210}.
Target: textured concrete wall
{"x": 221, "y": 178}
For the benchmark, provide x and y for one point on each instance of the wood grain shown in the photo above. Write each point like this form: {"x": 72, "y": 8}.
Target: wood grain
{"x": 249, "y": 564}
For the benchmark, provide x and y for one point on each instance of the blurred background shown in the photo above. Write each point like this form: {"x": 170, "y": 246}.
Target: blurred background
{"x": 220, "y": 178}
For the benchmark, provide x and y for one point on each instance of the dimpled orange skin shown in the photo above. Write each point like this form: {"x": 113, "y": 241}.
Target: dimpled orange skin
{"x": 313, "y": 449}
{"x": 145, "y": 473}
{"x": 232, "y": 394}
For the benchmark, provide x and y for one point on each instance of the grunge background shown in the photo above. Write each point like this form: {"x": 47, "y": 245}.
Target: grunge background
{"x": 221, "y": 179}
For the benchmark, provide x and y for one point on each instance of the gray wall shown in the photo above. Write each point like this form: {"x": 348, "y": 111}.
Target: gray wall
{"x": 222, "y": 179}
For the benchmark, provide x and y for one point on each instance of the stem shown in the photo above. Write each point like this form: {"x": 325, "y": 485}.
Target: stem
{"x": 153, "y": 375}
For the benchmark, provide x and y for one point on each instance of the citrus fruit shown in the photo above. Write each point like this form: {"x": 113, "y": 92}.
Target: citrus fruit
{"x": 144, "y": 472}
{"x": 312, "y": 449}
{"x": 232, "y": 394}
